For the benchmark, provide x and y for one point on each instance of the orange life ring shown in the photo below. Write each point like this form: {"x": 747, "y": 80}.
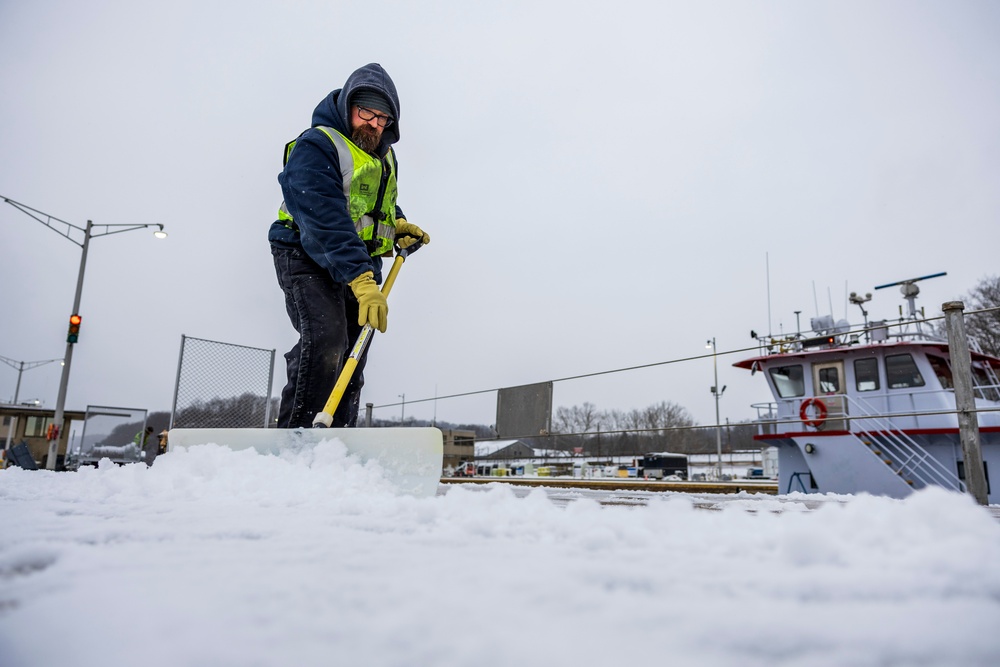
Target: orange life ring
{"x": 821, "y": 412}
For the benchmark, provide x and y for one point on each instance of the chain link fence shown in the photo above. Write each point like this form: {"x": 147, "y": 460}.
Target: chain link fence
{"x": 221, "y": 385}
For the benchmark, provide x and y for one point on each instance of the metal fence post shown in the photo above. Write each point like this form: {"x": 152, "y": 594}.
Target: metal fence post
{"x": 177, "y": 381}
{"x": 270, "y": 384}
{"x": 965, "y": 400}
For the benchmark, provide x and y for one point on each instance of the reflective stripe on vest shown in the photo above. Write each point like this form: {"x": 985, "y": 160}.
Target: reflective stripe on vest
{"x": 365, "y": 184}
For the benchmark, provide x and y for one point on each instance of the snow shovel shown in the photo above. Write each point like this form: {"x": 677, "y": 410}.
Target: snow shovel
{"x": 410, "y": 457}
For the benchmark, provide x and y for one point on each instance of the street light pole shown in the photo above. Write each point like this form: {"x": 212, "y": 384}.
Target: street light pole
{"x": 715, "y": 392}
{"x": 54, "y": 433}
{"x": 402, "y": 410}
{"x": 57, "y": 421}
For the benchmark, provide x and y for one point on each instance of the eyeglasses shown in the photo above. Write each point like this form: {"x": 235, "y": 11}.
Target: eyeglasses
{"x": 367, "y": 114}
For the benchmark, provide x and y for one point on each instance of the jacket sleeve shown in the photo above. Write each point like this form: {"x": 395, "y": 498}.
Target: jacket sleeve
{"x": 313, "y": 189}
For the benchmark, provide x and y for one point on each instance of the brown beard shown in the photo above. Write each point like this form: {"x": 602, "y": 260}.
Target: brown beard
{"x": 366, "y": 137}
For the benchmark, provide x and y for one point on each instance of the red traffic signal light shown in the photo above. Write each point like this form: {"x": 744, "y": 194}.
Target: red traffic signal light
{"x": 74, "y": 328}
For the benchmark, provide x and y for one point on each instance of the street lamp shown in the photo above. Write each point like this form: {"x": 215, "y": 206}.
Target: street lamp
{"x": 21, "y": 366}
{"x": 710, "y": 344}
{"x": 402, "y": 410}
{"x": 88, "y": 233}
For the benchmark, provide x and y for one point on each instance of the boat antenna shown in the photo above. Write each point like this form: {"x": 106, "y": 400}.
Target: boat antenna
{"x": 767, "y": 270}
{"x": 909, "y": 290}
{"x": 860, "y": 302}
{"x": 815, "y": 300}
{"x": 845, "y": 300}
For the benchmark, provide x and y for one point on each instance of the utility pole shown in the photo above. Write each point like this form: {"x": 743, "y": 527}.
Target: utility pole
{"x": 717, "y": 393}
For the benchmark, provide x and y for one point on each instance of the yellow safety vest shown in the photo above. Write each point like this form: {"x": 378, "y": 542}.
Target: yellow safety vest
{"x": 370, "y": 189}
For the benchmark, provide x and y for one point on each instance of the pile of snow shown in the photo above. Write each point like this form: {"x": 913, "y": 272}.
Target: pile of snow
{"x": 214, "y": 557}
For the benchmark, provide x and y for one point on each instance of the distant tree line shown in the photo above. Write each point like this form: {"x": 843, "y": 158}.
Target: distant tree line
{"x": 244, "y": 411}
{"x": 661, "y": 427}
{"x": 482, "y": 432}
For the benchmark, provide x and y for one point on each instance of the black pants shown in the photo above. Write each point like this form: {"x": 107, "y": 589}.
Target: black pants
{"x": 325, "y": 313}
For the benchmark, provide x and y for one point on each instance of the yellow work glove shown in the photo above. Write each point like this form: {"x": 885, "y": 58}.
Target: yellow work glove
{"x": 407, "y": 234}
{"x": 372, "y": 308}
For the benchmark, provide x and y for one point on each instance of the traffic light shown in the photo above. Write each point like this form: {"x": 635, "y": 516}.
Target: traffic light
{"x": 74, "y": 328}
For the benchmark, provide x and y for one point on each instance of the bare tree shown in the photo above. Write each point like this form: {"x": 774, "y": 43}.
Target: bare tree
{"x": 578, "y": 419}
{"x": 984, "y": 327}
{"x": 654, "y": 428}
{"x": 667, "y": 415}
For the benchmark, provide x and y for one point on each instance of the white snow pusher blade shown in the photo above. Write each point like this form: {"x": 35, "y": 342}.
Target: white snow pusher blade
{"x": 410, "y": 457}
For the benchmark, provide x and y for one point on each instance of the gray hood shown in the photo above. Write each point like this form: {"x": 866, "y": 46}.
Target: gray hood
{"x": 335, "y": 109}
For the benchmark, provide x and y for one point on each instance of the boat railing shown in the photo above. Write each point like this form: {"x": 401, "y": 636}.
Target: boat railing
{"x": 908, "y": 457}
{"x": 878, "y": 331}
{"x": 913, "y": 408}
{"x": 767, "y": 415}
{"x": 866, "y": 422}
{"x": 988, "y": 392}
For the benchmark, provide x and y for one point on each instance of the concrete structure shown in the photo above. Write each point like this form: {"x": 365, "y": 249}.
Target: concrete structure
{"x": 503, "y": 450}
{"x": 459, "y": 447}
{"x": 30, "y": 424}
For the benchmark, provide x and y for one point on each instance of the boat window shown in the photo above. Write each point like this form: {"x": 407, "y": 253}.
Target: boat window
{"x": 902, "y": 372}
{"x": 984, "y": 387}
{"x": 866, "y": 374}
{"x": 942, "y": 370}
{"x": 788, "y": 380}
{"x": 829, "y": 380}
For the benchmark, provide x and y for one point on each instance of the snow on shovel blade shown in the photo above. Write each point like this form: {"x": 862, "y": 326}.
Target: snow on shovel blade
{"x": 411, "y": 457}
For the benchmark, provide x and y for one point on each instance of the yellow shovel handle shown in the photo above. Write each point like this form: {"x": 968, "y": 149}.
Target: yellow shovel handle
{"x": 325, "y": 418}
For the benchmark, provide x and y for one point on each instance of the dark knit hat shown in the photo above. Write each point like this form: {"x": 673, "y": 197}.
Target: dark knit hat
{"x": 371, "y": 99}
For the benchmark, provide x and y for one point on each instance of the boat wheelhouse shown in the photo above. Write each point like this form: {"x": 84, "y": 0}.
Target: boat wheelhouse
{"x": 872, "y": 410}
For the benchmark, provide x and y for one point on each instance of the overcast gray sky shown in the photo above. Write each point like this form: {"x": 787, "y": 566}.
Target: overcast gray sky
{"x": 605, "y": 183}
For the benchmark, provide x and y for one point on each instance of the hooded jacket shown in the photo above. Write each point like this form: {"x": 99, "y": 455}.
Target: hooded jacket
{"x": 313, "y": 188}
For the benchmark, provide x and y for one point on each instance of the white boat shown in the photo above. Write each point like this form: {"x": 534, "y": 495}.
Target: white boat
{"x": 872, "y": 409}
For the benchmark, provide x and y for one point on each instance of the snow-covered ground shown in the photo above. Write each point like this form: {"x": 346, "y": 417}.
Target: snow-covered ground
{"x": 213, "y": 557}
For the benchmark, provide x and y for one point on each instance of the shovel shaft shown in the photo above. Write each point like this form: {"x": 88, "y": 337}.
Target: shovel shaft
{"x": 390, "y": 279}
{"x": 325, "y": 418}
{"x": 346, "y": 373}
